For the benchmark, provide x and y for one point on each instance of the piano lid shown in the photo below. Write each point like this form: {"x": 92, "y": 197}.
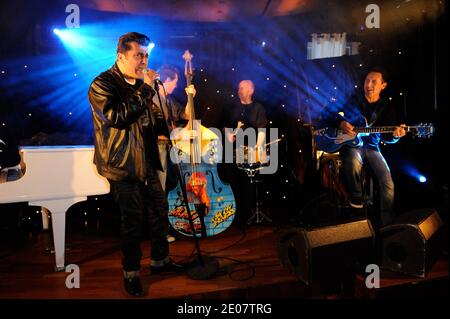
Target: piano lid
{"x": 55, "y": 172}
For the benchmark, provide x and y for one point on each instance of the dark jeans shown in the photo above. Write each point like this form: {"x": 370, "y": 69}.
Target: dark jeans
{"x": 353, "y": 159}
{"x": 140, "y": 202}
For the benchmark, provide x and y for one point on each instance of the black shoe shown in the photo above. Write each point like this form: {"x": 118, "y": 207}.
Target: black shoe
{"x": 171, "y": 266}
{"x": 133, "y": 286}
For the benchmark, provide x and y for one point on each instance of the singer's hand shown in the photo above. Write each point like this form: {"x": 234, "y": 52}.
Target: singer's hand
{"x": 150, "y": 76}
{"x": 191, "y": 90}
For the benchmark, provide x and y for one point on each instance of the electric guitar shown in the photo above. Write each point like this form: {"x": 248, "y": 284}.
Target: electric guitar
{"x": 330, "y": 140}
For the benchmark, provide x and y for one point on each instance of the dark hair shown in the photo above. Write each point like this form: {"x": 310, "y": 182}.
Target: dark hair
{"x": 167, "y": 71}
{"x": 124, "y": 41}
{"x": 378, "y": 69}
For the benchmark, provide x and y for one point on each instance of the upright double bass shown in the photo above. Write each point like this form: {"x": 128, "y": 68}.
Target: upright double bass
{"x": 211, "y": 201}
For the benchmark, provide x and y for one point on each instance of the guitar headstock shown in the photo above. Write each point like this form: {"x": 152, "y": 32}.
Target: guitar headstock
{"x": 187, "y": 57}
{"x": 422, "y": 130}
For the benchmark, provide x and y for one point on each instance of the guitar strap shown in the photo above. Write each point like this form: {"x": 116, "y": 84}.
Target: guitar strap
{"x": 376, "y": 114}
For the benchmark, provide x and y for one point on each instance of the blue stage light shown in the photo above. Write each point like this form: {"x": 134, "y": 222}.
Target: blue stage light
{"x": 422, "y": 179}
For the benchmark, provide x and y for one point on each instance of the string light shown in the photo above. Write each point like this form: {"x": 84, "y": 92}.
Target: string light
{"x": 317, "y": 87}
{"x": 25, "y": 66}
{"x": 205, "y": 80}
{"x": 74, "y": 74}
{"x": 267, "y": 78}
{"x": 70, "y": 113}
{"x": 390, "y": 98}
{"x": 285, "y": 86}
{"x": 333, "y": 66}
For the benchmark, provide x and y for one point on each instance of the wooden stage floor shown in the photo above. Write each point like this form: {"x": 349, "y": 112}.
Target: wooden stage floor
{"x": 249, "y": 269}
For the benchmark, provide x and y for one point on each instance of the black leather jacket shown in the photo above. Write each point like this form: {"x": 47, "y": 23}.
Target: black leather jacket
{"x": 124, "y": 147}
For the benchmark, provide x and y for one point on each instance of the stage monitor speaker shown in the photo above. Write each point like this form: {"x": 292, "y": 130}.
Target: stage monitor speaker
{"x": 411, "y": 244}
{"x": 322, "y": 253}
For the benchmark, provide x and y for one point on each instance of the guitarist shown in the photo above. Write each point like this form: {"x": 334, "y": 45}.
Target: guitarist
{"x": 373, "y": 110}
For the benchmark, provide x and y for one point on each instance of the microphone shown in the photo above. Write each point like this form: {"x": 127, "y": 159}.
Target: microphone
{"x": 157, "y": 80}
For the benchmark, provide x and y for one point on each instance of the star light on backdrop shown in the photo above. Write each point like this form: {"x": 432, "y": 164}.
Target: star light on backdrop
{"x": 57, "y": 83}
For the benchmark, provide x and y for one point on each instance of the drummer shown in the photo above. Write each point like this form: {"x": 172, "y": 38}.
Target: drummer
{"x": 247, "y": 114}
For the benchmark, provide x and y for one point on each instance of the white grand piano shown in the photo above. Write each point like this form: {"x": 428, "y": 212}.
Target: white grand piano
{"x": 56, "y": 177}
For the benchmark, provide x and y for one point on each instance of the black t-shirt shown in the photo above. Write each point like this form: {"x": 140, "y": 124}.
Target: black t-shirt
{"x": 253, "y": 115}
{"x": 173, "y": 112}
{"x": 149, "y": 133}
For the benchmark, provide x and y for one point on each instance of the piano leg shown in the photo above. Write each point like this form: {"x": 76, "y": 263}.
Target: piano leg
{"x": 59, "y": 238}
{"x": 58, "y": 210}
{"x": 45, "y": 217}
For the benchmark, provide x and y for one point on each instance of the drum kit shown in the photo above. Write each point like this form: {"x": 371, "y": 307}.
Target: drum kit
{"x": 251, "y": 160}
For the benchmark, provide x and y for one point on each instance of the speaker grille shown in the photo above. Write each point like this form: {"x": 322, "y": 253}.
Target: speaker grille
{"x": 340, "y": 233}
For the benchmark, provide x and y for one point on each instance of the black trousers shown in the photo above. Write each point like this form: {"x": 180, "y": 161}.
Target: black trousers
{"x": 141, "y": 202}
{"x": 244, "y": 194}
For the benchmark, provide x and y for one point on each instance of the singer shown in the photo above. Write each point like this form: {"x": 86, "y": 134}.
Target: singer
{"x": 126, "y": 153}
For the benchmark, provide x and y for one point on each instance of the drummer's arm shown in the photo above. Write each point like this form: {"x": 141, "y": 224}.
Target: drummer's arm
{"x": 261, "y": 152}
{"x": 230, "y": 134}
{"x": 261, "y": 139}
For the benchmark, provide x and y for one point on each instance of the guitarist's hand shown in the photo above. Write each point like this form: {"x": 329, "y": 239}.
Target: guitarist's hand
{"x": 347, "y": 128}
{"x": 400, "y": 131}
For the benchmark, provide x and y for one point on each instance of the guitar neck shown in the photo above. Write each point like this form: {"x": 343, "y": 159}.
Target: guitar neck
{"x": 378, "y": 129}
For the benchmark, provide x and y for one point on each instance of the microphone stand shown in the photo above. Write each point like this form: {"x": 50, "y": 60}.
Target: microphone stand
{"x": 205, "y": 266}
